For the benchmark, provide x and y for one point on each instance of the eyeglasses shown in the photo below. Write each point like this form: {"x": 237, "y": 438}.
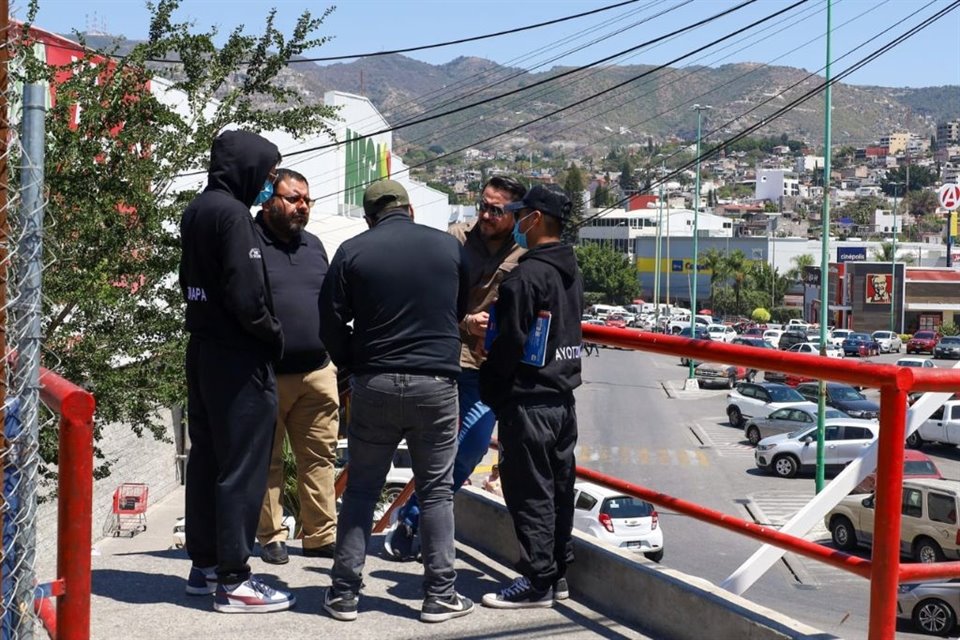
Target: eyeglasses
{"x": 295, "y": 199}
{"x": 493, "y": 210}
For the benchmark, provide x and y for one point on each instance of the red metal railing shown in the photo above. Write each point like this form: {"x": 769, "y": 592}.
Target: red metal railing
{"x": 75, "y": 509}
{"x": 884, "y": 571}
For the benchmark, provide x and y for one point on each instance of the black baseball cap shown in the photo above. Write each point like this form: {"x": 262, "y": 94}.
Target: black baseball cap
{"x": 550, "y": 200}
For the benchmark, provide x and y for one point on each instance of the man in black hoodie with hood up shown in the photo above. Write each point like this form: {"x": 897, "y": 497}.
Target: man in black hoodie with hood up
{"x": 231, "y": 388}
{"x": 528, "y": 379}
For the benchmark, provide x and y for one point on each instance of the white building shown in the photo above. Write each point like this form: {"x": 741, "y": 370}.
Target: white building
{"x": 806, "y": 164}
{"x": 618, "y": 228}
{"x": 773, "y": 184}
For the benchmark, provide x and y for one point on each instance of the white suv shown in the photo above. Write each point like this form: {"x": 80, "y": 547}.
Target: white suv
{"x": 845, "y": 440}
{"x": 758, "y": 400}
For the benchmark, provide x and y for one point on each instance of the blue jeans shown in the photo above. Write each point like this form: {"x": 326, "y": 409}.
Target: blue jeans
{"x": 386, "y": 409}
{"x": 473, "y": 441}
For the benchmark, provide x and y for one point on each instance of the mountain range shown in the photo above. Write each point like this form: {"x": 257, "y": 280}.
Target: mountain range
{"x": 615, "y": 105}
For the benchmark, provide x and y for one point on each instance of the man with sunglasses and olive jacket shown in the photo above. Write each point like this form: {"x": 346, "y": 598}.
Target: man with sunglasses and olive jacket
{"x": 491, "y": 254}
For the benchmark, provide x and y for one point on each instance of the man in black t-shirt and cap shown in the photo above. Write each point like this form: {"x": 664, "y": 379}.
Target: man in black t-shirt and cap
{"x": 528, "y": 379}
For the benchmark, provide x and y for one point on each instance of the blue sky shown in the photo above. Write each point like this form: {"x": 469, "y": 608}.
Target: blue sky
{"x": 930, "y": 58}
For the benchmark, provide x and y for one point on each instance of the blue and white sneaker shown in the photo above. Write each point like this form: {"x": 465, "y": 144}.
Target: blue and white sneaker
{"x": 401, "y": 542}
{"x": 202, "y": 581}
{"x": 251, "y": 596}
{"x": 520, "y": 594}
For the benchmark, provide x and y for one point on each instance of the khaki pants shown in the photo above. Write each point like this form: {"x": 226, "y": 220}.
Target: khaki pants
{"x": 309, "y": 416}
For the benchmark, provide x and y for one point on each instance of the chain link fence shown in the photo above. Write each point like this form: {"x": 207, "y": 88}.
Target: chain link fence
{"x": 21, "y": 265}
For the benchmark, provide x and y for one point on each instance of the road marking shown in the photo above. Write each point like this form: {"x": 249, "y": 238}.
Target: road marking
{"x": 726, "y": 441}
{"x": 641, "y": 456}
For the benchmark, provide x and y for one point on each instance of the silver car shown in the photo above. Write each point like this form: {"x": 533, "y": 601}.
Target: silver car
{"x": 787, "y": 453}
{"x": 932, "y": 606}
{"x": 889, "y": 341}
{"x": 792, "y": 418}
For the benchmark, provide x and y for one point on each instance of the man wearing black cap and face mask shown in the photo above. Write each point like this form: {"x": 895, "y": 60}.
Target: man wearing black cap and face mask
{"x": 231, "y": 388}
{"x": 531, "y": 370}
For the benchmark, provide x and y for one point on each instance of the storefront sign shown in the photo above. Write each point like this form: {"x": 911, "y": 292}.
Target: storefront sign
{"x": 851, "y": 254}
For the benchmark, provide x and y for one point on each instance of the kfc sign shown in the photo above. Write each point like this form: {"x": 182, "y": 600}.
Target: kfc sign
{"x": 879, "y": 286}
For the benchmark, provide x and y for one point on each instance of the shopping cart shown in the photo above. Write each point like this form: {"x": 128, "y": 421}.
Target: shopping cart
{"x": 129, "y": 510}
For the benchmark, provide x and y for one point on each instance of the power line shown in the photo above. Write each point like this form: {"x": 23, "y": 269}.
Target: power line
{"x": 448, "y": 43}
{"x": 557, "y": 77}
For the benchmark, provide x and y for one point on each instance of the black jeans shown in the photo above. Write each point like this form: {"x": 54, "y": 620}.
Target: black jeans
{"x": 231, "y": 412}
{"x": 537, "y": 473}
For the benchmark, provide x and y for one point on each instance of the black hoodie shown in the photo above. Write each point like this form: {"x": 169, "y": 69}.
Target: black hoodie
{"x": 546, "y": 279}
{"x": 221, "y": 268}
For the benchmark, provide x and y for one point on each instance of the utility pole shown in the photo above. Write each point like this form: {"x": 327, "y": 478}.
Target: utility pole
{"x": 893, "y": 263}
{"x": 691, "y": 380}
{"x": 824, "y": 256}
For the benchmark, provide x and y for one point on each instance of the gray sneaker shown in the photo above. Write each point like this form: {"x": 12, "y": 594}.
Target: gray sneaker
{"x": 438, "y": 609}
{"x": 560, "y": 589}
{"x": 342, "y": 606}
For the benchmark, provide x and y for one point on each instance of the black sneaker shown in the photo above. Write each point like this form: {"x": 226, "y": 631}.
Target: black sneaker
{"x": 274, "y": 553}
{"x": 519, "y": 595}
{"x": 560, "y": 589}
{"x": 437, "y": 609}
{"x": 342, "y": 606}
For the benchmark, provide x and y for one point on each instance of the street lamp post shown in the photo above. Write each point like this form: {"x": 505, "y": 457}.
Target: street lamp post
{"x": 893, "y": 262}
{"x": 696, "y": 215}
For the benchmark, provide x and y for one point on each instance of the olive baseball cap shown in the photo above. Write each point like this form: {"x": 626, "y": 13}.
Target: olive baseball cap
{"x": 383, "y": 195}
{"x": 551, "y": 201}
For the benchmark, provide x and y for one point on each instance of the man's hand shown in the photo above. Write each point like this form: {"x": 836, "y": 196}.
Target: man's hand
{"x": 477, "y": 323}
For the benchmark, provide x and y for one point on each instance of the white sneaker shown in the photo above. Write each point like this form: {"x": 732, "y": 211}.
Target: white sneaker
{"x": 251, "y": 596}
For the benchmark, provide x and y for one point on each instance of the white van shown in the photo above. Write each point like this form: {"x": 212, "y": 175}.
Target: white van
{"x": 603, "y": 310}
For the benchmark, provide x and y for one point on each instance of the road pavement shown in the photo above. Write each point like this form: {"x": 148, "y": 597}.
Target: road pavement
{"x": 637, "y": 423}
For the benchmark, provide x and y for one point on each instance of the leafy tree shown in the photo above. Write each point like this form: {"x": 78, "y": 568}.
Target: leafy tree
{"x": 861, "y": 210}
{"x": 760, "y": 315}
{"x": 921, "y": 203}
{"x": 112, "y": 305}
{"x": 573, "y": 186}
{"x": 800, "y": 263}
{"x": 601, "y": 196}
{"x": 608, "y": 271}
{"x": 896, "y": 178}
{"x": 628, "y": 181}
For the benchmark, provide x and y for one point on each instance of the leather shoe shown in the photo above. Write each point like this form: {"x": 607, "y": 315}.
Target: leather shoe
{"x": 326, "y": 551}
{"x": 274, "y": 553}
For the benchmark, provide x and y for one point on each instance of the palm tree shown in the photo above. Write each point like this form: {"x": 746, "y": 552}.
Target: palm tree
{"x": 737, "y": 268}
{"x": 885, "y": 254}
{"x": 800, "y": 263}
{"x": 715, "y": 262}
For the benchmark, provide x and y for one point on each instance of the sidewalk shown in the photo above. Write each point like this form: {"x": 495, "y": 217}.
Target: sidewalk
{"x": 138, "y": 592}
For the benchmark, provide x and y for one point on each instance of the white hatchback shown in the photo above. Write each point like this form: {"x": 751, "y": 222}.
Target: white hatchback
{"x": 618, "y": 519}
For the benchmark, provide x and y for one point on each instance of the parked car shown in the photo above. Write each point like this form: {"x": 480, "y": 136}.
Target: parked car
{"x": 889, "y": 341}
{"x": 922, "y": 342}
{"x": 860, "y": 344}
{"x": 615, "y": 321}
{"x": 932, "y": 606}
{"x": 773, "y": 336}
{"x": 837, "y": 336}
{"x": 916, "y": 464}
{"x": 916, "y": 362}
{"x": 928, "y": 523}
{"x": 702, "y": 334}
{"x": 948, "y": 347}
{"x": 721, "y": 332}
{"x": 750, "y": 341}
{"x": 942, "y": 426}
{"x": 620, "y": 520}
{"x": 843, "y": 397}
{"x": 711, "y": 373}
{"x": 758, "y": 400}
{"x": 787, "y": 454}
{"x": 814, "y": 348}
{"x": 787, "y": 420}
{"x": 790, "y": 337}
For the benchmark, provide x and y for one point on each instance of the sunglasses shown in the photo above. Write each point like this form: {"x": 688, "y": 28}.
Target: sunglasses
{"x": 295, "y": 199}
{"x": 495, "y": 211}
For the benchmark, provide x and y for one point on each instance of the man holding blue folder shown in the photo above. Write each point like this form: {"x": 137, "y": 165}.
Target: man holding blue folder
{"x": 532, "y": 368}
